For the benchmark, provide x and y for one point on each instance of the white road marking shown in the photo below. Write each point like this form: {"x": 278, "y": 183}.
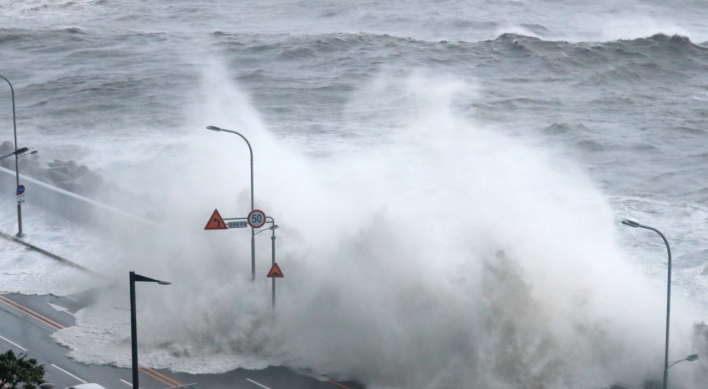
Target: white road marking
{"x": 60, "y": 308}
{"x": 126, "y": 382}
{"x": 67, "y": 373}
{"x": 12, "y": 343}
{"x": 256, "y": 383}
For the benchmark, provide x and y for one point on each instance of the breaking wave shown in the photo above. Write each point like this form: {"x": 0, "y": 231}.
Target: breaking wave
{"x": 443, "y": 255}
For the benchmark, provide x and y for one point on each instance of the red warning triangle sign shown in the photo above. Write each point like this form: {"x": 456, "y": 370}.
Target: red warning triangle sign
{"x": 275, "y": 272}
{"x": 216, "y": 222}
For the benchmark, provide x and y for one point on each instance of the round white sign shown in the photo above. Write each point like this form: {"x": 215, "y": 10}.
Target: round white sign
{"x": 256, "y": 218}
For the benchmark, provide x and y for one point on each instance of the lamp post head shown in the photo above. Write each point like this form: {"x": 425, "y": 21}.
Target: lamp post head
{"x": 22, "y": 150}
{"x": 33, "y": 152}
{"x": 273, "y": 227}
{"x": 138, "y": 278}
{"x": 630, "y": 223}
{"x": 692, "y": 357}
{"x": 213, "y": 128}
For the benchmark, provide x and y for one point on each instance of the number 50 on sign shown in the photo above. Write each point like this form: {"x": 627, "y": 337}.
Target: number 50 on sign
{"x": 256, "y": 218}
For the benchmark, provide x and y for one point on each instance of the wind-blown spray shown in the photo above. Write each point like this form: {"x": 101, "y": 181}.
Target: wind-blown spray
{"x": 440, "y": 254}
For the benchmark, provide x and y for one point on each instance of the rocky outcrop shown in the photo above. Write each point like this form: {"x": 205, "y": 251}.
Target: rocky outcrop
{"x": 67, "y": 175}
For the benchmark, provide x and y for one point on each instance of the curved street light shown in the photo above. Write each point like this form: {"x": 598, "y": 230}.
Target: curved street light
{"x": 17, "y": 152}
{"x": 253, "y": 231}
{"x": 689, "y": 358}
{"x": 634, "y": 224}
{"x": 133, "y": 321}
{"x": 17, "y": 171}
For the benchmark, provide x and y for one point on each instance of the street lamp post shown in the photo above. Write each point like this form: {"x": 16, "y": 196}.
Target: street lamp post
{"x": 273, "y": 227}
{"x": 133, "y": 324}
{"x": 253, "y": 231}
{"x": 17, "y": 171}
{"x": 272, "y": 250}
{"x": 689, "y": 358}
{"x": 17, "y": 152}
{"x": 634, "y": 224}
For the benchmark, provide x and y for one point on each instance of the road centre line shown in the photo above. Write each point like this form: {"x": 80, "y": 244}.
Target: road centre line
{"x": 32, "y": 313}
{"x": 256, "y": 383}
{"x": 160, "y": 377}
{"x": 12, "y": 343}
{"x": 339, "y": 384}
{"x": 67, "y": 373}
{"x": 150, "y": 372}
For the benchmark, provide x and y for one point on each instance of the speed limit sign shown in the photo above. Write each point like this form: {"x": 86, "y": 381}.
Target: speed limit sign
{"x": 256, "y": 218}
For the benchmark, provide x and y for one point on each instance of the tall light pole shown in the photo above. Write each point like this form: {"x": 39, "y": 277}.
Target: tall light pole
{"x": 253, "y": 230}
{"x": 668, "y": 294}
{"x": 16, "y": 152}
{"x": 273, "y": 227}
{"x": 689, "y": 358}
{"x": 133, "y": 324}
{"x": 17, "y": 171}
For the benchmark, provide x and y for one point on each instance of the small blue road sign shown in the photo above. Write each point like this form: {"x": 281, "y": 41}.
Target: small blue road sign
{"x": 20, "y": 189}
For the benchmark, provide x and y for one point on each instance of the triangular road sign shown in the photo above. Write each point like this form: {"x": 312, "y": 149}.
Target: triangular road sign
{"x": 216, "y": 222}
{"x": 275, "y": 271}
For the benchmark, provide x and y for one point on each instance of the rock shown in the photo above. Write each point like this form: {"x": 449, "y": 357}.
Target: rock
{"x": 79, "y": 171}
{"x": 8, "y": 163}
{"x": 112, "y": 186}
{"x": 7, "y": 147}
{"x": 92, "y": 181}
{"x": 58, "y": 176}
{"x": 63, "y": 185}
{"x": 23, "y": 163}
{"x": 61, "y": 169}
{"x": 40, "y": 172}
{"x": 56, "y": 163}
{"x": 77, "y": 188}
{"x": 44, "y": 180}
{"x": 72, "y": 165}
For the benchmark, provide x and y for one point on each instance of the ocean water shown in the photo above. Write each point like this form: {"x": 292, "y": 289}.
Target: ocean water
{"x": 449, "y": 179}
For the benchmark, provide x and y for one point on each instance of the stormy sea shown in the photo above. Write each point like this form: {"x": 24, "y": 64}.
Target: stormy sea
{"x": 449, "y": 179}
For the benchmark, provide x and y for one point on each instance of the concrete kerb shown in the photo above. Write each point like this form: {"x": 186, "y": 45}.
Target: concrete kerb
{"x": 75, "y": 207}
{"x": 52, "y": 255}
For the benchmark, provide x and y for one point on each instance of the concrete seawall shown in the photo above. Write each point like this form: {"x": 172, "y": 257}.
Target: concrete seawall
{"x": 76, "y": 207}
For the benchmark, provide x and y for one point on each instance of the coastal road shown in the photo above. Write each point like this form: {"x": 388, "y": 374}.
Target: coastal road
{"x": 27, "y": 323}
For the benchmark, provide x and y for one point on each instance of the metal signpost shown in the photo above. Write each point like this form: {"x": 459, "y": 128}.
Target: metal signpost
{"x": 255, "y": 219}
{"x": 274, "y": 270}
{"x": 20, "y": 194}
{"x": 274, "y": 273}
